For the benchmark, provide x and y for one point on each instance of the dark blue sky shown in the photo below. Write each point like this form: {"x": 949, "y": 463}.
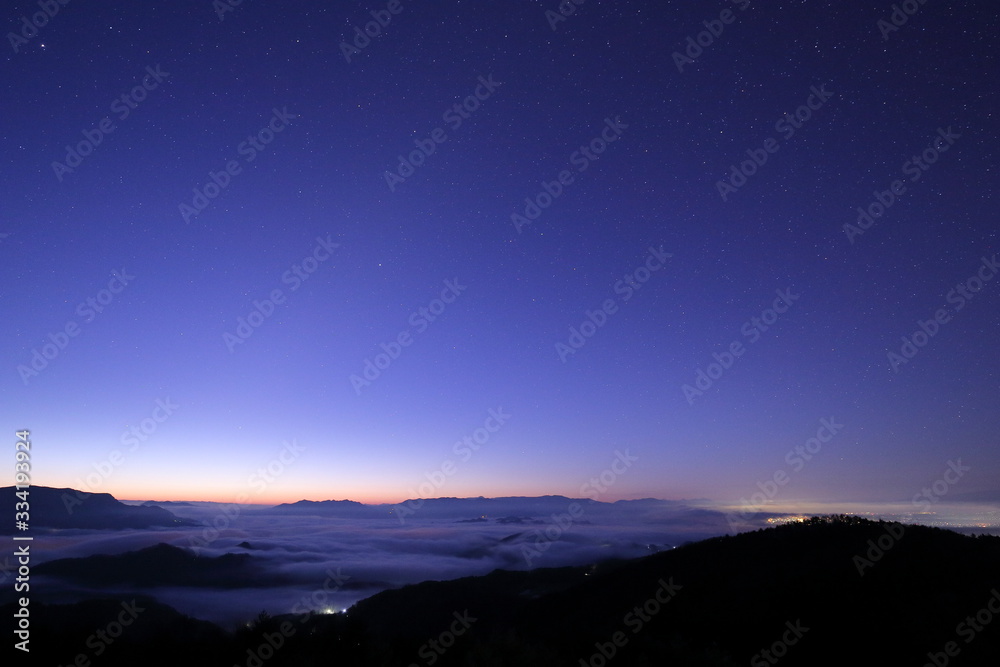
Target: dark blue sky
{"x": 622, "y": 149}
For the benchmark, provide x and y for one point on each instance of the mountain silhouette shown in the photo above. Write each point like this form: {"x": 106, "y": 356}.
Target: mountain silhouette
{"x": 828, "y": 591}
{"x": 160, "y": 565}
{"x": 69, "y": 508}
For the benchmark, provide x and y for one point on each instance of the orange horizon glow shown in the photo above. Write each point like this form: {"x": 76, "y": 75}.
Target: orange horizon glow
{"x": 165, "y": 494}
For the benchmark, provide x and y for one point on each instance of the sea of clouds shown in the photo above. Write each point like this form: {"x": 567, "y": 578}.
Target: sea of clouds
{"x": 310, "y": 557}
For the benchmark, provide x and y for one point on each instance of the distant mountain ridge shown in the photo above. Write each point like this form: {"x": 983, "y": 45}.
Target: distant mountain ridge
{"x": 468, "y": 509}
{"x": 68, "y": 508}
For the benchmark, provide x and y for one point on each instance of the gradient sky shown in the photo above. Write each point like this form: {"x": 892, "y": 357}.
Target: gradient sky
{"x": 162, "y": 336}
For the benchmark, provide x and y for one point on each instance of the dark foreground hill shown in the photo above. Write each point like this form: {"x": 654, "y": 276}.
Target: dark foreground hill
{"x": 830, "y": 591}
{"x": 159, "y": 565}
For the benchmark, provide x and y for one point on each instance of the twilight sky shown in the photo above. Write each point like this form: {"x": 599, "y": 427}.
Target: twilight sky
{"x": 208, "y": 240}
